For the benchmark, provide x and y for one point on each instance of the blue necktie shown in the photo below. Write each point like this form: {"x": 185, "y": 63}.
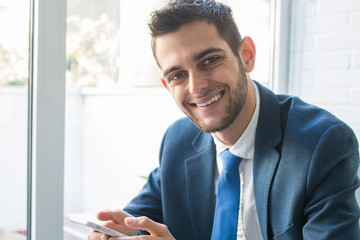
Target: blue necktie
{"x": 228, "y": 199}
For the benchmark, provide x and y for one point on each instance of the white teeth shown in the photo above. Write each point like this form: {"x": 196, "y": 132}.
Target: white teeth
{"x": 213, "y": 99}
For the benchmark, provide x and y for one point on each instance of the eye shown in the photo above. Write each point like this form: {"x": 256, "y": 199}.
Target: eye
{"x": 177, "y": 76}
{"x": 211, "y": 60}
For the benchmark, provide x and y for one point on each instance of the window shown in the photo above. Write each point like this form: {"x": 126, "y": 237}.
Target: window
{"x": 14, "y": 58}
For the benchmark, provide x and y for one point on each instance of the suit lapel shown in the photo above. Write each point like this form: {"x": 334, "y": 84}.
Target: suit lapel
{"x": 265, "y": 164}
{"x": 200, "y": 175}
{"x": 266, "y": 157}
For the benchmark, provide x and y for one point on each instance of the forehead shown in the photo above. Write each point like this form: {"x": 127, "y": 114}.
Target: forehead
{"x": 183, "y": 44}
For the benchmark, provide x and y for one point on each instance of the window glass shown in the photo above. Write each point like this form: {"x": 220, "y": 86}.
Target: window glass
{"x": 14, "y": 58}
{"x": 253, "y": 19}
{"x": 93, "y": 42}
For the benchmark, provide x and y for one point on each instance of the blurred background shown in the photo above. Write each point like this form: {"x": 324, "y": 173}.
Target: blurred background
{"x": 114, "y": 101}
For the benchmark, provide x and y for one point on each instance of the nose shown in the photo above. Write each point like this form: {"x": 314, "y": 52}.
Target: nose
{"x": 198, "y": 82}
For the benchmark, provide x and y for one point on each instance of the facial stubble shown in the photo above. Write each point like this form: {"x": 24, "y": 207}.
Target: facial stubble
{"x": 236, "y": 103}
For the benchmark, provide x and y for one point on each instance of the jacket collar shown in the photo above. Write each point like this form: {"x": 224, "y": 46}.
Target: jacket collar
{"x": 266, "y": 157}
{"x": 200, "y": 185}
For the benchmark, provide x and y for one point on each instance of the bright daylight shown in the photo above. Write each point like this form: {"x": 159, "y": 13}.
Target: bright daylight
{"x": 90, "y": 124}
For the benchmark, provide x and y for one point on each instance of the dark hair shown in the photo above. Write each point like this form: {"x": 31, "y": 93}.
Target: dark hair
{"x": 179, "y": 12}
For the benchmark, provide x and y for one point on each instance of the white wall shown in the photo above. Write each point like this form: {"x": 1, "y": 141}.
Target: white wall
{"x": 325, "y": 56}
{"x": 13, "y": 158}
{"x": 111, "y": 141}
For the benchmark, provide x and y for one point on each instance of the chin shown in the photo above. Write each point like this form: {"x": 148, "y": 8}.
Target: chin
{"x": 214, "y": 124}
{"x": 210, "y": 127}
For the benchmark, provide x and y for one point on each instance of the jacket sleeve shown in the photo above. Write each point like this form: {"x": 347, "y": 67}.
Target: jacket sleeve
{"x": 148, "y": 201}
{"x": 331, "y": 210}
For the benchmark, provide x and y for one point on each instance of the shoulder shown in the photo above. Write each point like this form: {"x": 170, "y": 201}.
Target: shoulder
{"x": 313, "y": 133}
{"x": 185, "y": 139}
{"x": 284, "y": 116}
{"x": 306, "y": 118}
{"x": 299, "y": 123}
{"x": 293, "y": 108}
{"x": 184, "y": 122}
{"x": 183, "y": 128}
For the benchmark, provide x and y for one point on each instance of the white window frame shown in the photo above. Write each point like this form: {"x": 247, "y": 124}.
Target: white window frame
{"x": 46, "y": 128}
{"x": 280, "y": 52}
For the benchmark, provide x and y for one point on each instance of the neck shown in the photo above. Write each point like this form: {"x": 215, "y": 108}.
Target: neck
{"x": 230, "y": 135}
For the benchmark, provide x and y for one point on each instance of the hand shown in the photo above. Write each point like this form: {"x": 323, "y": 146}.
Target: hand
{"x": 114, "y": 220}
{"x": 129, "y": 225}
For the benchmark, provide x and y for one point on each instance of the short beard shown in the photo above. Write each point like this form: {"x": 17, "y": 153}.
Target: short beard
{"x": 236, "y": 104}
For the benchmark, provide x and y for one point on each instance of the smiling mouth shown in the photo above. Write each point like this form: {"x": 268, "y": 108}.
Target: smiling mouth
{"x": 213, "y": 99}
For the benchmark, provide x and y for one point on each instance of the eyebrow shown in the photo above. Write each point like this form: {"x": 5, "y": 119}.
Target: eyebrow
{"x": 202, "y": 54}
{"x": 173, "y": 69}
{"x": 196, "y": 57}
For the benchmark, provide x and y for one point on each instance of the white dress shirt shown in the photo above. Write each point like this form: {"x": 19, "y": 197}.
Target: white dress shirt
{"x": 248, "y": 222}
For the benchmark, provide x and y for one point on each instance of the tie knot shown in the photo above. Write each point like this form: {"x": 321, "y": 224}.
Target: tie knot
{"x": 230, "y": 161}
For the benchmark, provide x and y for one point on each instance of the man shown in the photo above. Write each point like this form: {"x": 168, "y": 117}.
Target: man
{"x": 299, "y": 163}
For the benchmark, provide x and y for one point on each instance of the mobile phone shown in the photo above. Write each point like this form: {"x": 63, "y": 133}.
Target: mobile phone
{"x": 96, "y": 227}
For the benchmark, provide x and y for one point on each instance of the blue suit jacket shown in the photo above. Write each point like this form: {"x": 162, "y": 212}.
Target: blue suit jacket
{"x": 305, "y": 175}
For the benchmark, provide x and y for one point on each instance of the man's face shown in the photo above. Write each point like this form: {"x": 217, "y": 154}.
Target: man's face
{"x": 206, "y": 79}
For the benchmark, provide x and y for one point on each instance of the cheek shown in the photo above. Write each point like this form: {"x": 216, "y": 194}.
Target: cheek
{"x": 225, "y": 74}
{"x": 180, "y": 95}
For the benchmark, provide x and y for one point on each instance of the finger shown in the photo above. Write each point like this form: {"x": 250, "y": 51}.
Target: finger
{"x": 115, "y": 220}
{"x": 117, "y": 216}
{"x": 145, "y": 223}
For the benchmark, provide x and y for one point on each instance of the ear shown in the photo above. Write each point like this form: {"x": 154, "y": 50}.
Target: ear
{"x": 247, "y": 53}
{"x": 164, "y": 83}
